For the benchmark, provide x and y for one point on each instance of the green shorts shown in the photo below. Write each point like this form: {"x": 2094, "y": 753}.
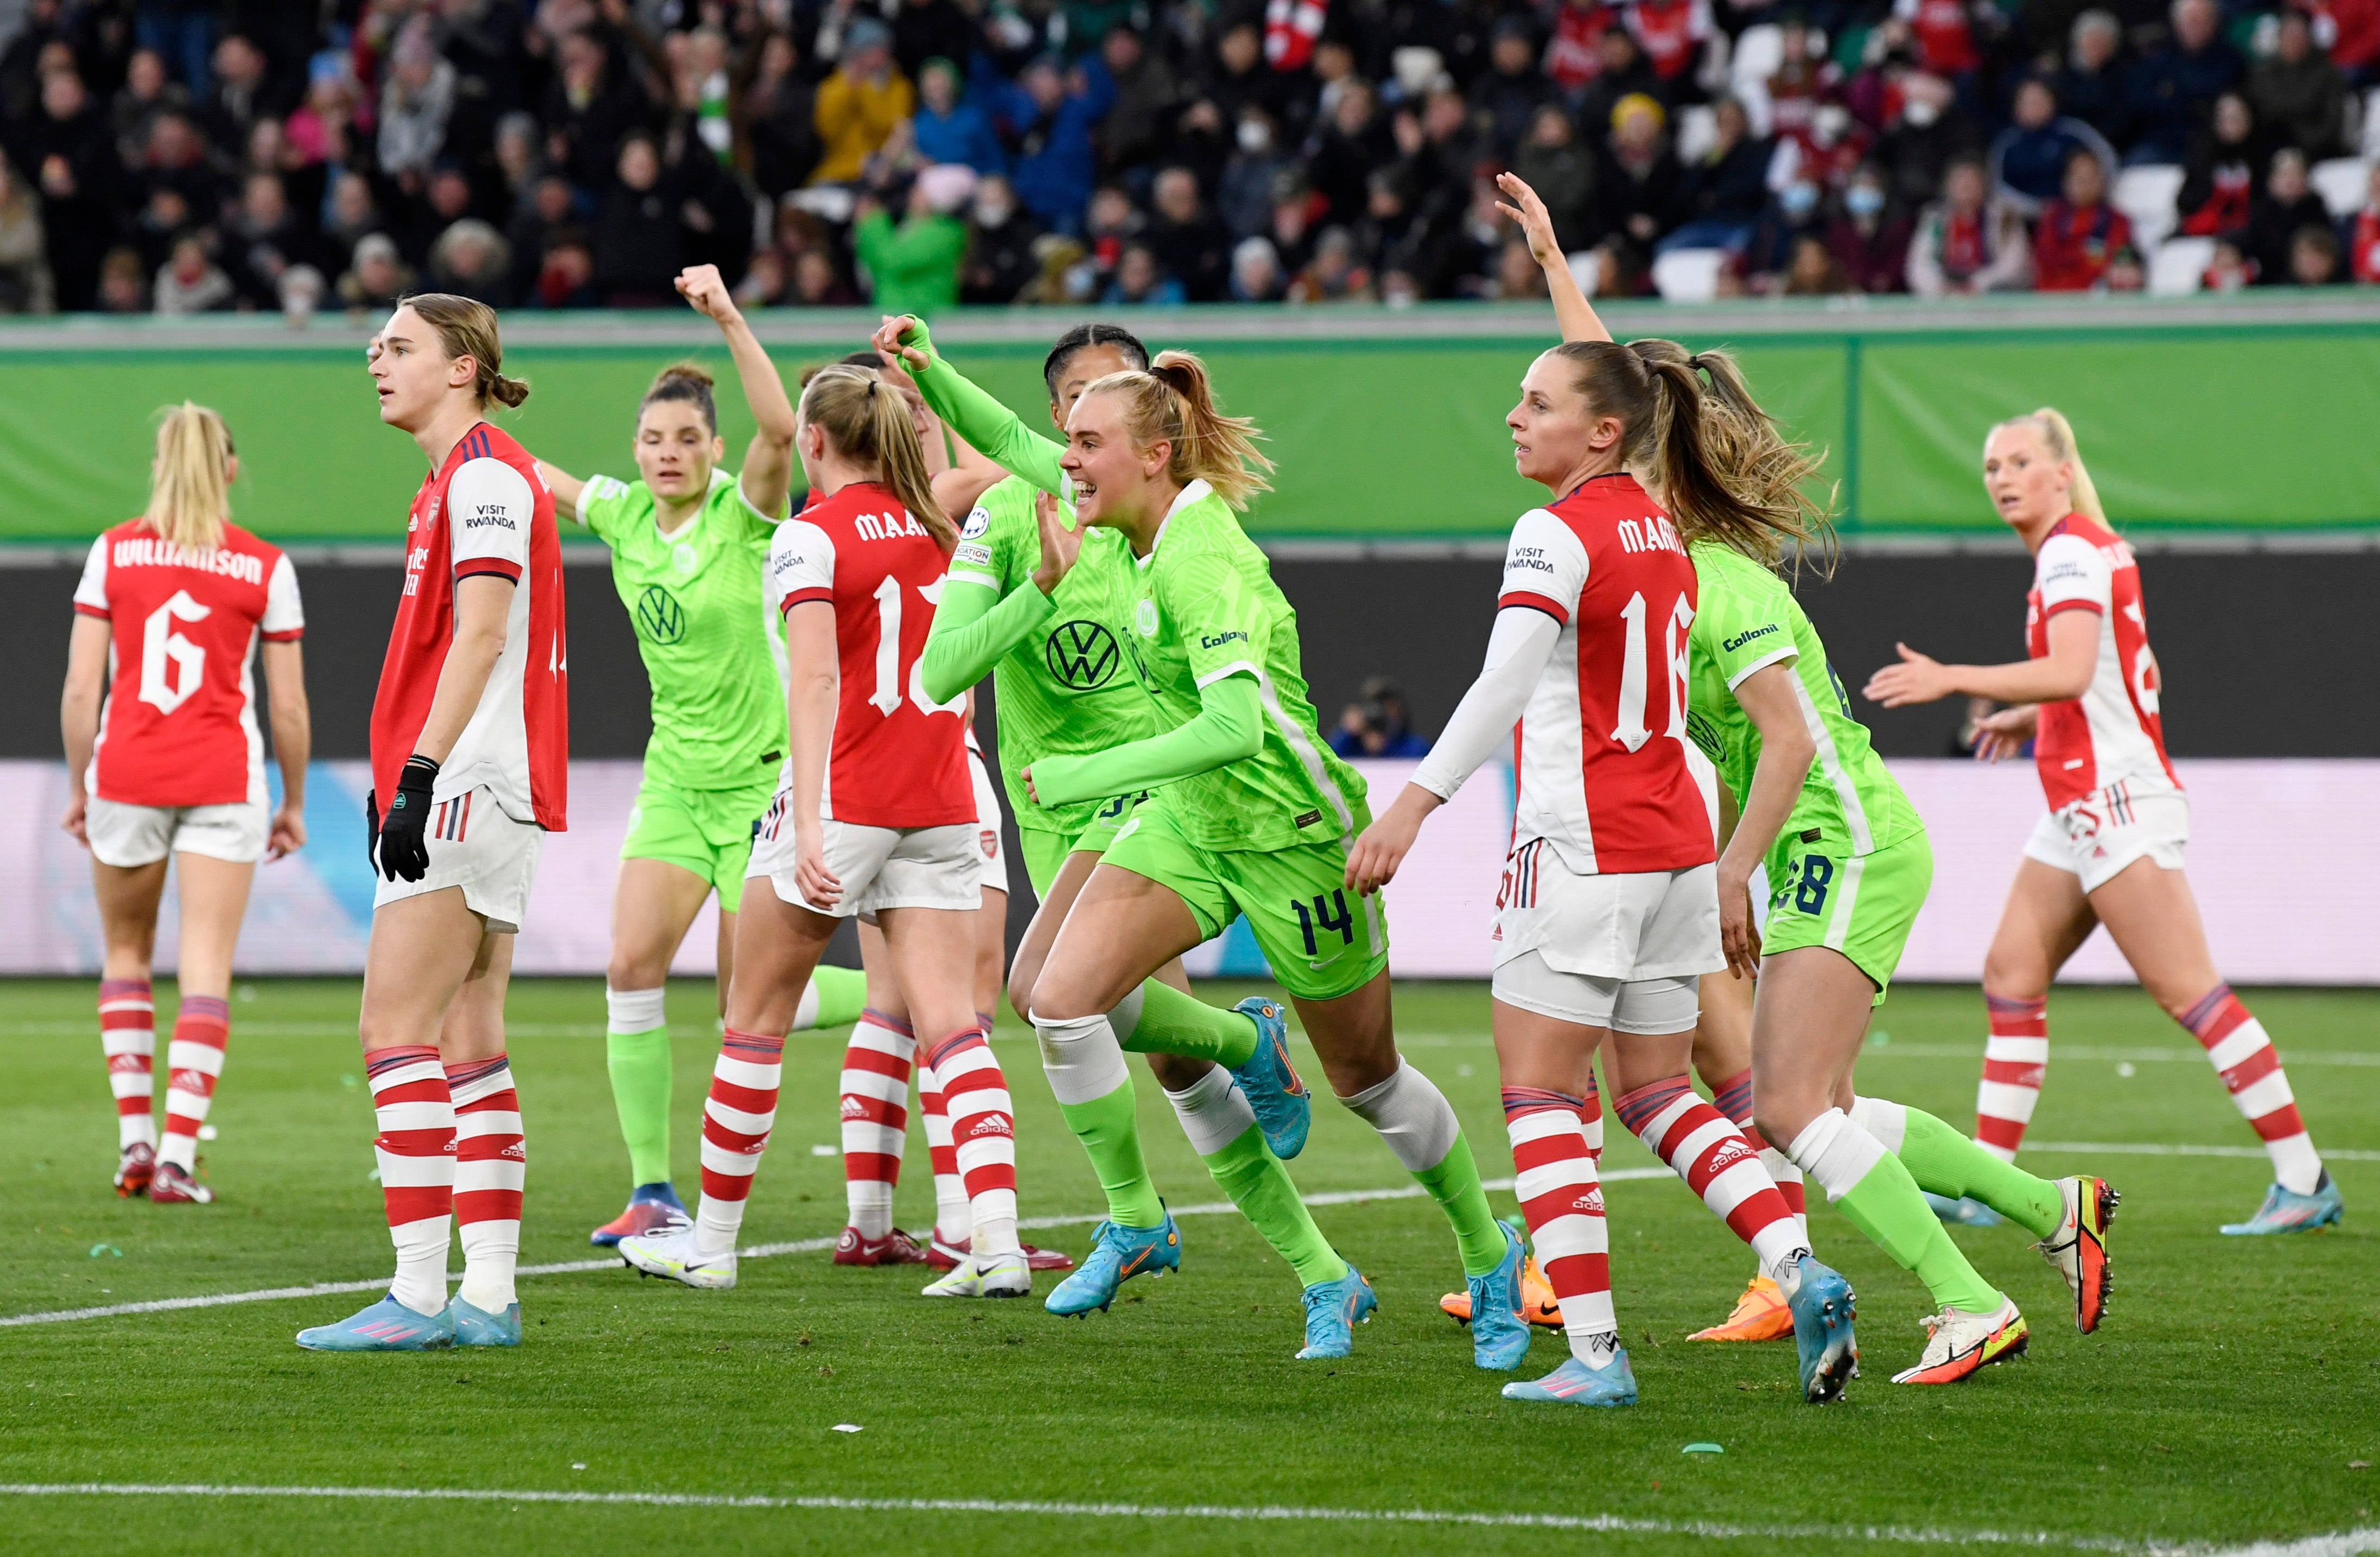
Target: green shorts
{"x": 706, "y": 831}
{"x": 1860, "y": 905}
{"x": 1046, "y": 851}
{"x": 1322, "y": 940}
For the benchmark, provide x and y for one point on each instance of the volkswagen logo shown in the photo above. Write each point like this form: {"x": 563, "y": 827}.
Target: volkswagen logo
{"x": 658, "y": 616}
{"x": 1081, "y": 654}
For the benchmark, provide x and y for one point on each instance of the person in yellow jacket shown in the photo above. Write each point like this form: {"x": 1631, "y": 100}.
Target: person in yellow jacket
{"x": 861, "y": 105}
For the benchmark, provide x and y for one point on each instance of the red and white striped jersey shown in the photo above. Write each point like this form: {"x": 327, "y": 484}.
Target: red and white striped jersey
{"x": 1601, "y": 749}
{"x": 485, "y": 511}
{"x": 180, "y": 723}
{"x": 899, "y": 759}
{"x": 2113, "y": 732}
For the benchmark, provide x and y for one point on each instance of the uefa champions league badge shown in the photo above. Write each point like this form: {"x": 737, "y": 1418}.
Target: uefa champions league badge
{"x": 979, "y": 523}
{"x": 1145, "y": 618}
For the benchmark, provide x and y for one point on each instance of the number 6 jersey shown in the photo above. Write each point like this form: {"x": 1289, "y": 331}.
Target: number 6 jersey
{"x": 180, "y": 728}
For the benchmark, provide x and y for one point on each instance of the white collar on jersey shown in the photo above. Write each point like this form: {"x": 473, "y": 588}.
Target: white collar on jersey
{"x": 1190, "y": 494}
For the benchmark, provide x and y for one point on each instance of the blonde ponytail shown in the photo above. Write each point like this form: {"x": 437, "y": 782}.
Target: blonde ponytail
{"x": 869, "y": 423}
{"x": 189, "y": 488}
{"x": 1172, "y": 401}
{"x": 2058, "y": 438}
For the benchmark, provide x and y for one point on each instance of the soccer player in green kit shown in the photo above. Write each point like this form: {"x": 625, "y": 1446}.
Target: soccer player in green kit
{"x": 688, "y": 544}
{"x": 1847, "y": 866}
{"x": 1247, "y": 813}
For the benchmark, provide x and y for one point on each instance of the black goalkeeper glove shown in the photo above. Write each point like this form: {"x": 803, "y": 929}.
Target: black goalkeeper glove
{"x": 403, "y": 850}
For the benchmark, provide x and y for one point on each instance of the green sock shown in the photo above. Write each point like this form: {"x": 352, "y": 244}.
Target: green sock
{"x": 1260, "y": 1187}
{"x": 1108, "y": 1132}
{"x": 640, "y": 1090}
{"x": 1942, "y": 1160}
{"x": 1454, "y": 1185}
{"x": 1887, "y": 1206}
{"x": 834, "y": 998}
{"x": 1173, "y": 1023}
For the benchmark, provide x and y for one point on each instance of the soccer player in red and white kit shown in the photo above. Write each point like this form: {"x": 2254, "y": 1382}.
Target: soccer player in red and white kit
{"x": 168, "y": 615}
{"x": 877, "y": 817}
{"x": 470, "y": 752}
{"x": 2110, "y": 849}
{"x": 1608, "y": 912}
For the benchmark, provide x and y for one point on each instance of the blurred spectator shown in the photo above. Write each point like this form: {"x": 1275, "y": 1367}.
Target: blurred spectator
{"x": 2353, "y": 28}
{"x": 1625, "y": 73}
{"x": 776, "y": 119}
{"x": 68, "y": 156}
{"x": 565, "y": 273}
{"x": 1813, "y": 271}
{"x": 2314, "y": 257}
{"x": 1944, "y": 34}
{"x": 472, "y": 258}
{"x": 2126, "y": 273}
{"x": 147, "y": 93}
{"x": 1724, "y": 191}
{"x": 1968, "y": 241}
{"x": 1050, "y": 117}
{"x": 1619, "y": 268}
{"x": 950, "y": 130}
{"x": 1112, "y": 222}
{"x": 1377, "y": 726}
{"x": 1340, "y": 157}
{"x": 1256, "y": 278}
{"x": 1561, "y": 171}
{"x": 1637, "y": 181}
{"x": 2079, "y": 232}
{"x": 2229, "y": 269}
{"x": 861, "y": 103}
{"x": 1139, "y": 278}
{"x": 2088, "y": 86}
{"x": 1001, "y": 261}
{"x": 913, "y": 268}
{"x": 240, "y": 92}
{"x": 1791, "y": 213}
{"x": 817, "y": 284}
{"x": 2172, "y": 92}
{"x": 2029, "y": 159}
{"x": 930, "y": 29}
{"x": 1334, "y": 274}
{"x": 1519, "y": 278}
{"x": 2226, "y": 162}
{"x": 24, "y": 283}
{"x": 1573, "y": 55}
{"x": 123, "y": 285}
{"x": 2361, "y": 231}
{"x": 262, "y": 238}
{"x": 590, "y": 105}
{"x": 1869, "y": 244}
{"x": 1244, "y": 198}
{"x": 1149, "y": 99}
{"x": 1915, "y": 149}
{"x": 190, "y": 281}
{"x": 1190, "y": 246}
{"x": 372, "y": 284}
{"x": 640, "y": 244}
{"x": 2297, "y": 93}
{"x": 1509, "y": 93}
{"x": 2284, "y": 209}
{"x": 317, "y": 132}
{"x": 1672, "y": 34}
{"x": 417, "y": 103}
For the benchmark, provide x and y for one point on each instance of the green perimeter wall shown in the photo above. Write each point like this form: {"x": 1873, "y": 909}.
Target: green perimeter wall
{"x": 2209, "y": 428}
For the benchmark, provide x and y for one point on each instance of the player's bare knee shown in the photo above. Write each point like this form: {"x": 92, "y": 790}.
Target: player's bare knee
{"x": 2010, "y": 974}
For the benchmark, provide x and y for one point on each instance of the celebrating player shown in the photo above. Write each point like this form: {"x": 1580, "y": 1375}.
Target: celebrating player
{"x": 178, "y": 598}
{"x": 2109, "y": 851}
{"x": 688, "y": 543}
{"x": 1050, "y": 635}
{"x": 470, "y": 753}
{"x": 878, "y": 817}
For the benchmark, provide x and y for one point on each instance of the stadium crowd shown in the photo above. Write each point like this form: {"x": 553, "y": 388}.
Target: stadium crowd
{"x": 183, "y": 156}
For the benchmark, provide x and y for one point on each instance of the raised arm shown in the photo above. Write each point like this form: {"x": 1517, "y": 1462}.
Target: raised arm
{"x": 975, "y": 415}
{"x": 567, "y": 490}
{"x": 975, "y": 623}
{"x": 1576, "y": 316}
{"x": 768, "y": 472}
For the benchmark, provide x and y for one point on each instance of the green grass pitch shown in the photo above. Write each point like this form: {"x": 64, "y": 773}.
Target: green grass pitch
{"x": 2234, "y": 1392}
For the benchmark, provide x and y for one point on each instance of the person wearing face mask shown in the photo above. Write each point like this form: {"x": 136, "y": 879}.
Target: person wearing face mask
{"x": 1001, "y": 261}
{"x": 1791, "y": 214}
{"x": 1870, "y": 246}
{"x": 1244, "y": 195}
{"x": 1915, "y": 150}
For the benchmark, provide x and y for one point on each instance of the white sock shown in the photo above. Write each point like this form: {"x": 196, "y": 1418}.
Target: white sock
{"x": 1413, "y": 1117}
{"x": 1835, "y": 1152}
{"x": 1213, "y": 1112}
{"x": 1080, "y": 1057}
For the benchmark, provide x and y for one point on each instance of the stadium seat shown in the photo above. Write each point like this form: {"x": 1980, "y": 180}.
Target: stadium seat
{"x": 1586, "y": 269}
{"x": 2145, "y": 195}
{"x": 1697, "y": 132}
{"x": 2179, "y": 267}
{"x": 2340, "y": 182}
{"x": 1689, "y": 275}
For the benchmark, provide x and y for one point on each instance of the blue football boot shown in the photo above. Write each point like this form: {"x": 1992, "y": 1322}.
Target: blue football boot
{"x": 1333, "y": 1308}
{"x": 1575, "y": 1383}
{"x": 1284, "y": 1109}
{"x": 386, "y": 1326}
{"x": 1964, "y": 1211}
{"x": 476, "y": 1326}
{"x": 2285, "y": 1211}
{"x": 1500, "y": 1334}
{"x": 653, "y": 1210}
{"x": 1118, "y": 1254}
{"x": 1824, "y": 1307}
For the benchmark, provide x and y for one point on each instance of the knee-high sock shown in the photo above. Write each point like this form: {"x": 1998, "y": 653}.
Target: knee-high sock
{"x": 1158, "y": 1018}
{"x": 737, "y": 1118}
{"x": 1555, "y": 1179}
{"x": 833, "y": 996}
{"x": 953, "y": 1220}
{"x": 636, "y": 1052}
{"x": 127, "y": 1036}
{"x": 875, "y": 1107}
{"x": 1733, "y": 1098}
{"x": 1094, "y": 1091}
{"x": 983, "y": 1130}
{"x": 2016, "y": 1056}
{"x": 1881, "y": 1200}
{"x": 490, "y": 1165}
{"x": 416, "y": 1150}
{"x": 1702, "y": 1147}
{"x": 201, "y": 1030}
{"x": 2242, "y": 1054}
{"x": 1222, "y": 1130}
{"x": 1418, "y": 1125}
{"x": 1945, "y": 1162}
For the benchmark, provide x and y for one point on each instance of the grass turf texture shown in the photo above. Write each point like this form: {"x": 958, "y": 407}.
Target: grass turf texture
{"x": 2223, "y": 1400}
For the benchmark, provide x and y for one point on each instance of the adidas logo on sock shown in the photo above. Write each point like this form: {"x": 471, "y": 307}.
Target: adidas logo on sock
{"x": 852, "y": 1107}
{"x": 990, "y": 1124}
{"x": 1729, "y": 1153}
{"x": 1591, "y": 1203}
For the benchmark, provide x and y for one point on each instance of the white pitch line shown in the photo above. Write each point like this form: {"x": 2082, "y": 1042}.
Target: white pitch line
{"x": 753, "y": 1251}
{"x": 2147, "y": 1055}
{"x": 2151, "y": 1149}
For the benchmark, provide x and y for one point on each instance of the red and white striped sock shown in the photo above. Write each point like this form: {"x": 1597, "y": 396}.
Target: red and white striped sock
{"x": 416, "y": 1147}
{"x": 490, "y": 1164}
{"x": 875, "y": 1117}
{"x": 983, "y": 1135}
{"x": 2242, "y": 1054}
{"x": 1732, "y": 1097}
{"x": 2015, "y": 1058}
{"x": 1706, "y": 1150}
{"x": 736, "y": 1119}
{"x": 193, "y": 1061}
{"x": 127, "y": 1036}
{"x": 1555, "y": 1179}
{"x": 953, "y": 1218}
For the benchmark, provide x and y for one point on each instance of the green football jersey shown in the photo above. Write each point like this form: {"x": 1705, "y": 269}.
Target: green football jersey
{"x": 1065, "y": 689}
{"x": 1745, "y": 619}
{"x": 712, "y": 652}
{"x": 1206, "y": 607}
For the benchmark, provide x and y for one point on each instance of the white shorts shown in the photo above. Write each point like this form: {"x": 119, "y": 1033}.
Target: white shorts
{"x": 126, "y": 836}
{"x": 475, "y": 846}
{"x": 2098, "y": 836}
{"x": 993, "y": 871}
{"x": 1651, "y": 1006}
{"x": 880, "y": 867}
{"x": 1651, "y": 924}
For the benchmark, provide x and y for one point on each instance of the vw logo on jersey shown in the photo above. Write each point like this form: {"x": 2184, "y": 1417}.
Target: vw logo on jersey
{"x": 658, "y": 616}
{"x": 1145, "y": 618}
{"x": 685, "y": 557}
{"x": 1081, "y": 654}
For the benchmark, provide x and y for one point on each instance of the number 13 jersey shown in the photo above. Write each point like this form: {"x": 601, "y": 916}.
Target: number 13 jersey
{"x": 1601, "y": 750}
{"x": 897, "y": 759}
